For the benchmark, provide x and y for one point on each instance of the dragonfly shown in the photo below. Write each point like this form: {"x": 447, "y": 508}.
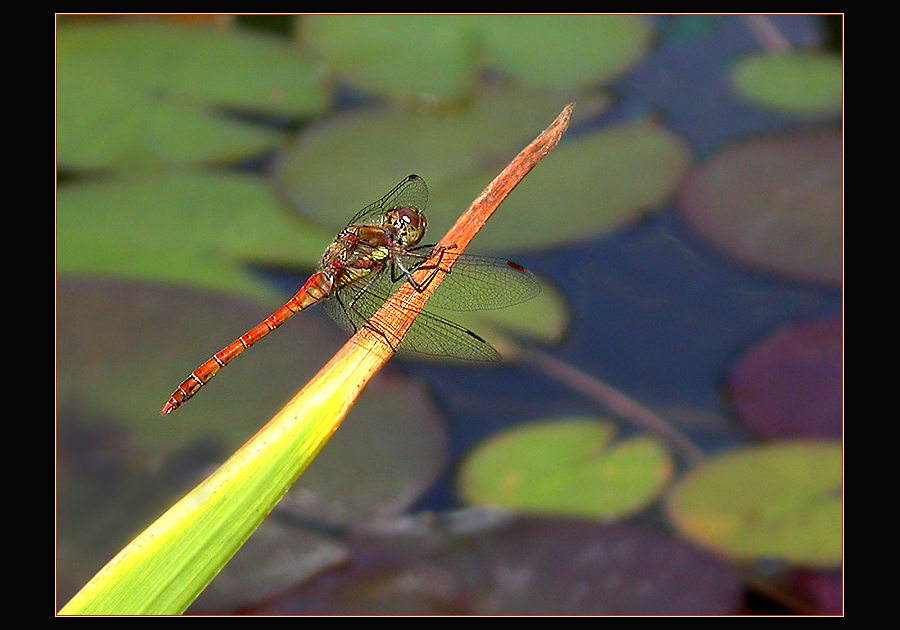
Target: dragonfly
{"x": 373, "y": 256}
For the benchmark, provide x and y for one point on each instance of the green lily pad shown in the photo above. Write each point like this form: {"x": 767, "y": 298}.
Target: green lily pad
{"x": 396, "y": 54}
{"x": 139, "y": 94}
{"x": 568, "y": 468}
{"x": 590, "y": 184}
{"x": 780, "y": 501}
{"x": 565, "y": 51}
{"x": 805, "y": 83}
{"x": 189, "y": 229}
{"x": 595, "y": 184}
{"x": 776, "y": 203}
{"x": 443, "y": 56}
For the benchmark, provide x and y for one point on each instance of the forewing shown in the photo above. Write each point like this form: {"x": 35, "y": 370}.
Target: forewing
{"x": 477, "y": 283}
{"x": 411, "y": 192}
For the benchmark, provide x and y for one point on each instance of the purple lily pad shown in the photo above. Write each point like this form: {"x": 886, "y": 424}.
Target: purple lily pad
{"x": 520, "y": 566}
{"x": 791, "y": 385}
{"x": 823, "y": 589}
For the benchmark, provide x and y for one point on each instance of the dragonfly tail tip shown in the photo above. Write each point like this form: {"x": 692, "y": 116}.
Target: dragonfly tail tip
{"x": 168, "y": 408}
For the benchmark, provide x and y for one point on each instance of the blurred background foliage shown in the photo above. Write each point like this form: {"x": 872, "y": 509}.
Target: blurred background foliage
{"x": 688, "y": 232}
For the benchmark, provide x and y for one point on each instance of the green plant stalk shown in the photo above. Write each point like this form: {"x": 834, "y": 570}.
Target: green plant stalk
{"x": 170, "y": 563}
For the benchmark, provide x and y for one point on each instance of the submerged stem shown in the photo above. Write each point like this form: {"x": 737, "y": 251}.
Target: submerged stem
{"x": 614, "y": 400}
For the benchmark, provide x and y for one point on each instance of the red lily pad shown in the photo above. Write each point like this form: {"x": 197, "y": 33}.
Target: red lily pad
{"x": 791, "y": 385}
{"x": 774, "y": 203}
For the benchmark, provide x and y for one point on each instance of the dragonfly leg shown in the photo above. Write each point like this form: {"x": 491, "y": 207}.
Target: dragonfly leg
{"x": 353, "y": 315}
{"x": 407, "y": 273}
{"x": 361, "y": 293}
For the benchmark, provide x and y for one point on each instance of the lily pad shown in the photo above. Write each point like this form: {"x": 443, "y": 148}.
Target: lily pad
{"x": 139, "y": 94}
{"x": 442, "y": 56}
{"x": 790, "y": 386}
{"x": 565, "y": 51}
{"x": 803, "y": 83}
{"x": 568, "y": 467}
{"x": 192, "y": 229}
{"x": 594, "y": 185}
{"x": 774, "y": 202}
{"x": 472, "y": 563}
{"x": 781, "y": 501}
{"x": 589, "y": 185}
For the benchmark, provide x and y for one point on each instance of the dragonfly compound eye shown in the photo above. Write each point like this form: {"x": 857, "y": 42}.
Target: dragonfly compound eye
{"x": 411, "y": 223}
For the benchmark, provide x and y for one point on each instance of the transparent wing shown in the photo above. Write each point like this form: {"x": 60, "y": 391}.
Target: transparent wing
{"x": 477, "y": 283}
{"x": 411, "y": 192}
{"x": 430, "y": 334}
{"x": 474, "y": 283}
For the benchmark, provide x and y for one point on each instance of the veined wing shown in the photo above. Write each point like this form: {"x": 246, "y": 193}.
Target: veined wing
{"x": 411, "y": 192}
{"x": 477, "y": 283}
{"x": 429, "y": 333}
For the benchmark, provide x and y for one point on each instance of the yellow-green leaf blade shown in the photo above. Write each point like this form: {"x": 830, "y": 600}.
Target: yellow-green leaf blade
{"x": 171, "y": 562}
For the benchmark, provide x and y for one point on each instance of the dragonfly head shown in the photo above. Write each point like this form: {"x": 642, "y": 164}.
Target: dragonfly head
{"x": 407, "y": 223}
